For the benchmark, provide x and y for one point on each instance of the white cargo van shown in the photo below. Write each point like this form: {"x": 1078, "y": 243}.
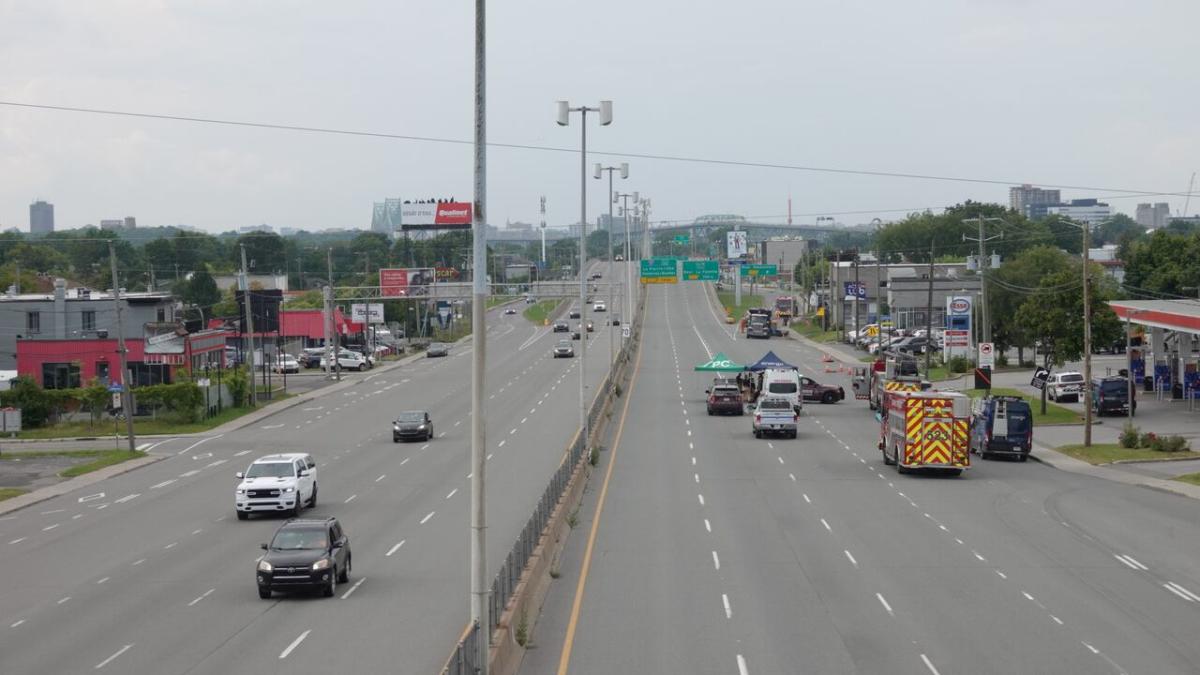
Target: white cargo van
{"x": 783, "y": 383}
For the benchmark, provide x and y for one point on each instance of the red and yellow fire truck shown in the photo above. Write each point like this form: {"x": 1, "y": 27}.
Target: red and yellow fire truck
{"x": 925, "y": 430}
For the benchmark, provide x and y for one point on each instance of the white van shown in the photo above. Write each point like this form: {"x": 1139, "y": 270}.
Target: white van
{"x": 783, "y": 383}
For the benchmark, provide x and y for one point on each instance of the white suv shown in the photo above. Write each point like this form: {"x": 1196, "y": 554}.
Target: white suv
{"x": 283, "y": 483}
{"x": 1067, "y": 385}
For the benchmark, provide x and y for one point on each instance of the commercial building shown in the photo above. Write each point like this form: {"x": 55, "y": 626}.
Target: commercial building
{"x": 266, "y": 282}
{"x": 1153, "y": 216}
{"x": 784, "y": 252}
{"x": 1032, "y": 201}
{"x": 1090, "y": 211}
{"x": 111, "y": 224}
{"x": 904, "y": 287}
{"x": 41, "y": 217}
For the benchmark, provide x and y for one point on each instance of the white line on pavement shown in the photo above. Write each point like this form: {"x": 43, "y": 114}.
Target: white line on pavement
{"x": 728, "y": 609}
{"x": 501, "y": 444}
{"x": 49, "y": 527}
{"x": 716, "y": 560}
{"x": 792, "y": 476}
{"x": 1000, "y": 574}
{"x": 165, "y": 483}
{"x": 353, "y": 588}
{"x": 707, "y": 525}
{"x": 405, "y": 461}
{"x": 851, "y": 557}
{"x": 885, "y": 604}
{"x": 46, "y": 513}
{"x": 112, "y": 658}
{"x": 350, "y": 499}
{"x": 1181, "y": 591}
{"x": 139, "y": 561}
{"x": 1131, "y": 562}
{"x": 16, "y": 623}
{"x": 806, "y": 499}
{"x": 197, "y": 443}
{"x": 394, "y": 549}
{"x": 189, "y": 474}
{"x": 426, "y": 518}
{"x": 701, "y": 497}
{"x": 100, "y": 581}
{"x": 126, "y": 498}
{"x": 929, "y": 665}
{"x": 1056, "y": 620}
{"x": 18, "y": 540}
{"x": 61, "y": 601}
{"x": 203, "y": 595}
{"x": 381, "y": 477}
{"x": 295, "y": 643}
{"x": 171, "y": 545}
{"x": 452, "y": 493}
{"x": 827, "y": 527}
{"x": 741, "y": 661}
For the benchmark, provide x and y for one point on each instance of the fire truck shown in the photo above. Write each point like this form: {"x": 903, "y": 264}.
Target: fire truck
{"x": 894, "y": 374}
{"x": 926, "y": 430}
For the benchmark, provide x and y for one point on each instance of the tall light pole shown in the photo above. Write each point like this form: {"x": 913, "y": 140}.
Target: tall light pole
{"x": 564, "y": 118}
{"x": 1087, "y": 341}
{"x": 479, "y": 587}
{"x": 983, "y": 264}
{"x": 624, "y": 169}
{"x": 126, "y": 392}
{"x": 625, "y": 216}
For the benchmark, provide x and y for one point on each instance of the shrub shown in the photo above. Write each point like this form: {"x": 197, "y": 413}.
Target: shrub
{"x": 1146, "y": 439}
{"x": 959, "y": 364}
{"x": 1002, "y": 360}
{"x": 238, "y": 385}
{"x": 1174, "y": 444}
{"x": 24, "y": 393}
{"x": 1129, "y": 436}
{"x": 1158, "y": 443}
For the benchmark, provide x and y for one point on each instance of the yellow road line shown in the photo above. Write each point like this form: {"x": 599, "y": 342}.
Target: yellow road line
{"x": 569, "y": 641}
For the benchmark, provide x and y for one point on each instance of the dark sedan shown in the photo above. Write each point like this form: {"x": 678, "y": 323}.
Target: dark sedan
{"x": 561, "y": 327}
{"x": 305, "y": 554}
{"x": 825, "y": 393}
{"x": 412, "y": 425}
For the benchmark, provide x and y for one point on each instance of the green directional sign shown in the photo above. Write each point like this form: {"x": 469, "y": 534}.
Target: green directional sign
{"x": 659, "y": 271}
{"x": 761, "y": 270}
{"x": 701, "y": 270}
{"x": 682, "y": 239}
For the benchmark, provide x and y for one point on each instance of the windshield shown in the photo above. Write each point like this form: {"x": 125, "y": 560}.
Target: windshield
{"x": 782, "y": 387}
{"x": 1072, "y": 378}
{"x": 411, "y": 417}
{"x": 300, "y": 540}
{"x": 1110, "y": 387}
{"x": 775, "y": 404}
{"x": 271, "y": 470}
{"x": 725, "y": 391}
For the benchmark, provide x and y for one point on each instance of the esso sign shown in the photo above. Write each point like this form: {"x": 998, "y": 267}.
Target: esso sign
{"x": 960, "y": 306}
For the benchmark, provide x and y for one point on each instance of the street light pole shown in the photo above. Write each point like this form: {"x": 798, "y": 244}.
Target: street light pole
{"x": 126, "y": 391}
{"x": 564, "y": 110}
{"x": 624, "y": 169}
{"x": 1087, "y": 342}
{"x": 624, "y": 197}
{"x": 479, "y": 587}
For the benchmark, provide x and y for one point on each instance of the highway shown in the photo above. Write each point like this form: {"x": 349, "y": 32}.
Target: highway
{"x": 150, "y": 572}
{"x": 714, "y": 552}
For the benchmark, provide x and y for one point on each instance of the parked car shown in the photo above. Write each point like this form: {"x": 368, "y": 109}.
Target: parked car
{"x": 1002, "y": 425}
{"x": 281, "y": 483}
{"x": 412, "y": 425}
{"x": 305, "y": 554}
{"x": 1111, "y": 395}
{"x": 725, "y": 399}
{"x": 285, "y": 363}
{"x": 774, "y": 415}
{"x": 783, "y": 383}
{"x": 310, "y": 357}
{"x": 437, "y": 349}
{"x": 911, "y": 345}
{"x": 564, "y": 349}
{"x": 1065, "y": 386}
{"x": 346, "y": 360}
{"x": 825, "y": 393}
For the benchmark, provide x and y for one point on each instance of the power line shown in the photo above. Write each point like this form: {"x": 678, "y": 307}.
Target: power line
{"x": 548, "y": 148}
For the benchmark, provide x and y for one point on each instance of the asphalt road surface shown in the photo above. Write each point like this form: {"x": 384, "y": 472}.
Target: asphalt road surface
{"x": 151, "y": 573}
{"x": 715, "y": 552}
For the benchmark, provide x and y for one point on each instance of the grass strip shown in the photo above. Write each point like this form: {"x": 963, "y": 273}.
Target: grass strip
{"x": 1055, "y": 414}
{"x": 540, "y": 311}
{"x": 1105, "y": 453}
{"x": 9, "y": 493}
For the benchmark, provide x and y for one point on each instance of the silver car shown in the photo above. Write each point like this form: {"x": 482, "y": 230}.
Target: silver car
{"x": 437, "y": 349}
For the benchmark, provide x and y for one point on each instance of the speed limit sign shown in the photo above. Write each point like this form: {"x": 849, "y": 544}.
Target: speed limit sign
{"x": 987, "y": 355}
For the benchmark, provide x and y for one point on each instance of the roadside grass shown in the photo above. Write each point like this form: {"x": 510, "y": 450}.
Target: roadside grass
{"x": 494, "y": 300}
{"x": 99, "y": 459}
{"x": 141, "y": 427}
{"x": 9, "y": 493}
{"x": 1055, "y": 414}
{"x": 812, "y": 330}
{"x": 735, "y": 310}
{"x": 539, "y": 311}
{"x": 1193, "y": 478}
{"x": 1105, "y": 453}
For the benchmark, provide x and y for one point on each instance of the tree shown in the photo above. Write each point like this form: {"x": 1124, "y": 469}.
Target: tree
{"x": 201, "y": 290}
{"x": 1115, "y": 228}
{"x": 1164, "y": 262}
{"x": 265, "y": 252}
{"x": 1009, "y": 286}
{"x": 1054, "y": 314}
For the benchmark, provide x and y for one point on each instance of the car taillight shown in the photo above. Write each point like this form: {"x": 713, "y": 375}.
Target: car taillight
{"x": 757, "y": 417}
{"x": 1029, "y": 439}
{"x": 987, "y": 436}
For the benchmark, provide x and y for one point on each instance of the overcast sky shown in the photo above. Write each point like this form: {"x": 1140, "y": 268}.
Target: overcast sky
{"x": 1096, "y": 93}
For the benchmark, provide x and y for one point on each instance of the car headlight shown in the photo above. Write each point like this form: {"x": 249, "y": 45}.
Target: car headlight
{"x": 396, "y": 427}
{"x": 421, "y": 428}
{"x": 321, "y": 564}
{"x": 289, "y": 489}
{"x": 264, "y": 566}
{"x": 241, "y": 491}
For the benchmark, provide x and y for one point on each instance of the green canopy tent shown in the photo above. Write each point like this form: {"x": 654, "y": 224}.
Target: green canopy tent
{"x": 720, "y": 363}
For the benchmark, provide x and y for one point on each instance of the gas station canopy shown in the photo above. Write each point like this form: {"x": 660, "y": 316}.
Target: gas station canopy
{"x": 1177, "y": 315}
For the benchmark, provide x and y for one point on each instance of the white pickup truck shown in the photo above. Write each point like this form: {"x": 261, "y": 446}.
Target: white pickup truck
{"x": 774, "y": 415}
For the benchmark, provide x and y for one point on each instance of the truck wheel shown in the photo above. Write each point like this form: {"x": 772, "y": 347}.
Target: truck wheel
{"x": 242, "y": 515}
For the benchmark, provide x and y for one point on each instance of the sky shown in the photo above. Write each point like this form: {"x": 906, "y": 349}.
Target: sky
{"x": 1086, "y": 93}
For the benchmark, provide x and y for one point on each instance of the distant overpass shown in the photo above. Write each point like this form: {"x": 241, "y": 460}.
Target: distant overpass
{"x": 700, "y": 228}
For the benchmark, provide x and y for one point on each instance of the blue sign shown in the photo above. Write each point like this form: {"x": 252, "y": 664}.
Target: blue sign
{"x": 115, "y": 388}
{"x": 854, "y": 289}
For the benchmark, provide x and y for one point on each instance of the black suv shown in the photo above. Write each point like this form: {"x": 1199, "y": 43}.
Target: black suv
{"x": 1111, "y": 395}
{"x": 305, "y": 554}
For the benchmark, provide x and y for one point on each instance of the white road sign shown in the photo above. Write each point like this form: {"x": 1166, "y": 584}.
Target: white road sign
{"x": 987, "y": 355}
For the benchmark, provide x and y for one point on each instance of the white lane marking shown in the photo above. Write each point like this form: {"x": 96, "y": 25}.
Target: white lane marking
{"x": 49, "y": 527}
{"x": 138, "y": 562}
{"x": 501, "y": 444}
{"x": 170, "y": 546}
{"x": 885, "y": 604}
{"x": 89, "y": 498}
{"x": 851, "y": 557}
{"x": 112, "y": 658}
{"x": 18, "y": 540}
{"x": 458, "y": 423}
{"x": 701, "y": 498}
{"x": 741, "y": 660}
{"x": 272, "y": 426}
{"x": 1131, "y": 562}
{"x": 490, "y": 455}
{"x": 350, "y": 499}
{"x": 426, "y": 518}
{"x": 203, "y": 595}
{"x": 405, "y": 461}
{"x": 394, "y": 549}
{"x": 716, "y": 560}
{"x": 1093, "y": 649}
{"x": 707, "y": 525}
{"x": 195, "y": 532}
{"x": 512, "y": 432}
{"x": 218, "y": 462}
{"x": 929, "y": 665}
{"x": 126, "y": 498}
{"x": 959, "y": 540}
{"x": 780, "y": 460}
{"x": 165, "y": 483}
{"x": 100, "y": 581}
{"x": 46, "y": 513}
{"x": 689, "y": 432}
{"x": 697, "y": 477}
{"x": 77, "y": 516}
{"x": 1000, "y": 574}
{"x": 353, "y": 588}
{"x": 295, "y": 643}
{"x": 770, "y": 445}
{"x": 728, "y": 608}
{"x": 1181, "y": 591}
{"x": 827, "y": 527}
{"x": 452, "y": 493}
{"x": 189, "y": 474}
{"x": 381, "y": 477}
{"x": 979, "y": 557}
{"x": 198, "y": 443}
{"x": 523, "y": 419}
{"x": 1056, "y": 620}
{"x": 806, "y": 499}
{"x": 141, "y": 446}
{"x": 16, "y": 623}
{"x": 61, "y": 601}
{"x": 424, "y": 447}
{"x": 693, "y": 461}
{"x": 942, "y": 528}
{"x": 243, "y": 452}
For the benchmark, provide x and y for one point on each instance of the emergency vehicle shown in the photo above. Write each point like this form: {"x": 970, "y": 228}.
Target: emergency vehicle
{"x": 925, "y": 430}
{"x": 892, "y": 375}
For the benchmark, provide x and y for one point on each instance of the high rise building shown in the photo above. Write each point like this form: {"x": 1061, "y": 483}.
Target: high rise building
{"x": 1032, "y": 202}
{"x": 1153, "y": 216}
{"x": 41, "y": 217}
{"x": 1090, "y": 211}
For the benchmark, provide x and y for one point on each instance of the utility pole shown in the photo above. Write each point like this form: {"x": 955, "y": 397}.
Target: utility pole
{"x": 479, "y": 586}
{"x": 542, "y": 209}
{"x": 1087, "y": 341}
{"x": 983, "y": 264}
{"x": 336, "y": 366}
{"x": 858, "y": 327}
{"x": 126, "y": 392}
{"x": 248, "y": 329}
{"x": 929, "y": 312}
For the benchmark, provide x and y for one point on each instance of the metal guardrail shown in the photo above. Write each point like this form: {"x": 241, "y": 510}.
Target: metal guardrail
{"x": 462, "y": 661}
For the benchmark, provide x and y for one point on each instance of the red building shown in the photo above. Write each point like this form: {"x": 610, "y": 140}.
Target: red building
{"x": 60, "y": 364}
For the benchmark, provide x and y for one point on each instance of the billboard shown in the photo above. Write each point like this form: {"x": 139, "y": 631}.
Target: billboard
{"x": 517, "y": 274}
{"x": 400, "y": 282}
{"x": 366, "y": 312}
{"x": 735, "y": 244}
{"x": 435, "y": 216}
{"x": 264, "y": 305}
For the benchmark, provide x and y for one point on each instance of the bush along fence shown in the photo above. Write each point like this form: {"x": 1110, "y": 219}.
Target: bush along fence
{"x": 508, "y": 579}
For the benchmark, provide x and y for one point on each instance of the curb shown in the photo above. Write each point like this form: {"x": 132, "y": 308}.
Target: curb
{"x": 1057, "y": 460}
{"x": 67, "y": 486}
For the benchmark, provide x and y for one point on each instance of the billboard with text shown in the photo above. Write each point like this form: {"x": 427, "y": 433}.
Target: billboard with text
{"x": 405, "y": 282}
{"x": 435, "y": 216}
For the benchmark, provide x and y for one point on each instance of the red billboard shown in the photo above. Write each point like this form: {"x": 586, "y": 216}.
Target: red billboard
{"x": 435, "y": 216}
{"x": 404, "y": 282}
